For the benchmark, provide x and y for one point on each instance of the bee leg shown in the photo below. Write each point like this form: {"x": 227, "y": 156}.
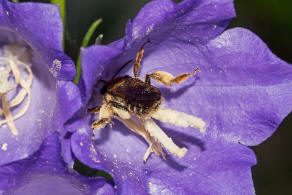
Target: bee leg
{"x": 148, "y": 79}
{"x": 168, "y": 79}
{"x": 104, "y": 117}
{"x": 95, "y": 109}
{"x": 139, "y": 57}
{"x": 100, "y": 123}
{"x": 121, "y": 113}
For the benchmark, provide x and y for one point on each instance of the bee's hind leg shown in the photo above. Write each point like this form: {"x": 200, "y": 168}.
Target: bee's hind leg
{"x": 167, "y": 78}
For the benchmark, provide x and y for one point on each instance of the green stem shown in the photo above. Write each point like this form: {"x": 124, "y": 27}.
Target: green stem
{"x": 15, "y": 1}
{"x": 62, "y": 4}
{"x": 84, "y": 43}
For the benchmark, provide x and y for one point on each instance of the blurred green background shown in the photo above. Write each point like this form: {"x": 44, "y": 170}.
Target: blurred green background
{"x": 270, "y": 19}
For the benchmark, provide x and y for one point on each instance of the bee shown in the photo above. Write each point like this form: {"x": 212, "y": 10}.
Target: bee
{"x": 135, "y": 102}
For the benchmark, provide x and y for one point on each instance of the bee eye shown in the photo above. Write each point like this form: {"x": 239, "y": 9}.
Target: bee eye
{"x": 103, "y": 90}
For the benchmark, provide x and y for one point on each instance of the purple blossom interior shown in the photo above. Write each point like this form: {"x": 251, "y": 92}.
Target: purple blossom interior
{"x": 42, "y": 40}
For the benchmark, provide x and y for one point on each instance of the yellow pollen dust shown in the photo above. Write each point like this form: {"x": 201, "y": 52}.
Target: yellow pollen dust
{"x": 14, "y": 60}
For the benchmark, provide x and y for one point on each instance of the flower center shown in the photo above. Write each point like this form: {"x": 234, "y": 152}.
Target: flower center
{"x": 15, "y": 82}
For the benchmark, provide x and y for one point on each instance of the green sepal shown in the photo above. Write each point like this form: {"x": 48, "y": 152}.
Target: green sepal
{"x": 84, "y": 43}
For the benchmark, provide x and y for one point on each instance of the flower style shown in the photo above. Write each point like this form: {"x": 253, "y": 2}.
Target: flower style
{"x": 31, "y": 64}
{"x": 242, "y": 92}
{"x": 45, "y": 173}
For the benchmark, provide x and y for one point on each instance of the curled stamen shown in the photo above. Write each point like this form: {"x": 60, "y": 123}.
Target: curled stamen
{"x": 157, "y": 133}
{"x": 154, "y": 146}
{"x": 4, "y": 82}
{"x": 7, "y": 115}
{"x": 12, "y": 64}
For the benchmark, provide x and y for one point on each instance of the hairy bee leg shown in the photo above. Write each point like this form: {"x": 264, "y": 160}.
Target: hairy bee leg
{"x": 180, "y": 119}
{"x": 95, "y": 109}
{"x": 100, "y": 123}
{"x": 157, "y": 133}
{"x": 139, "y": 57}
{"x": 105, "y": 115}
{"x": 121, "y": 113}
{"x": 140, "y": 130}
{"x": 167, "y": 78}
{"x": 148, "y": 79}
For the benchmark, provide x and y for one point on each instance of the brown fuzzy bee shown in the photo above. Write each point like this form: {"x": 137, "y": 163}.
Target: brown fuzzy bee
{"x": 126, "y": 98}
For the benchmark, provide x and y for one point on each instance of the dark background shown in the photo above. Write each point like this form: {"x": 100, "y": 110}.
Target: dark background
{"x": 270, "y": 19}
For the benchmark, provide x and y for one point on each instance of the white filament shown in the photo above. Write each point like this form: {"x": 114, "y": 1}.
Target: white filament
{"x": 180, "y": 119}
{"x": 10, "y": 66}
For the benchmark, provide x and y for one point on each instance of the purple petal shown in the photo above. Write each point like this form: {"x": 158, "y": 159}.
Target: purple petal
{"x": 190, "y": 21}
{"x": 211, "y": 166}
{"x": 158, "y": 19}
{"x": 243, "y": 92}
{"x": 234, "y": 110}
{"x": 90, "y": 72}
{"x": 42, "y": 38}
{"x": 67, "y": 151}
{"x": 46, "y": 173}
{"x": 70, "y": 100}
{"x": 32, "y": 126}
{"x": 240, "y": 80}
{"x": 43, "y": 35}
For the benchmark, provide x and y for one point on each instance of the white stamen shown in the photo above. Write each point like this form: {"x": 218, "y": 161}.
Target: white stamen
{"x": 147, "y": 153}
{"x": 180, "y": 119}
{"x": 4, "y": 82}
{"x": 162, "y": 138}
{"x": 10, "y": 63}
{"x": 154, "y": 146}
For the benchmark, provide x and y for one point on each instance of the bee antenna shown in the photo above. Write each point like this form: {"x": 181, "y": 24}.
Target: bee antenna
{"x": 101, "y": 81}
{"x": 148, "y": 41}
{"x": 122, "y": 67}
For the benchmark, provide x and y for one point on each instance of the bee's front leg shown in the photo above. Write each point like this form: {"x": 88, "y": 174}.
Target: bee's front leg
{"x": 105, "y": 114}
{"x": 94, "y": 110}
{"x": 139, "y": 57}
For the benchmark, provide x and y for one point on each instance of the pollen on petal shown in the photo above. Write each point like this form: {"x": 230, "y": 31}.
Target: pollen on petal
{"x": 4, "y": 146}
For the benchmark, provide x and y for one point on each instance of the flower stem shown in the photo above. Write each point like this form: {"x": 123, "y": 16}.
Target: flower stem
{"x": 84, "y": 43}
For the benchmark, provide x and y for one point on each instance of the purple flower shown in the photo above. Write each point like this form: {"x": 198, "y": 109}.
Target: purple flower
{"x": 242, "y": 93}
{"x": 46, "y": 173}
{"x": 31, "y": 64}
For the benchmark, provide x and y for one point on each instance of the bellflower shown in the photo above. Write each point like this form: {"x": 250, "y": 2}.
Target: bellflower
{"x": 242, "y": 93}
{"x": 31, "y": 64}
{"x": 46, "y": 173}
